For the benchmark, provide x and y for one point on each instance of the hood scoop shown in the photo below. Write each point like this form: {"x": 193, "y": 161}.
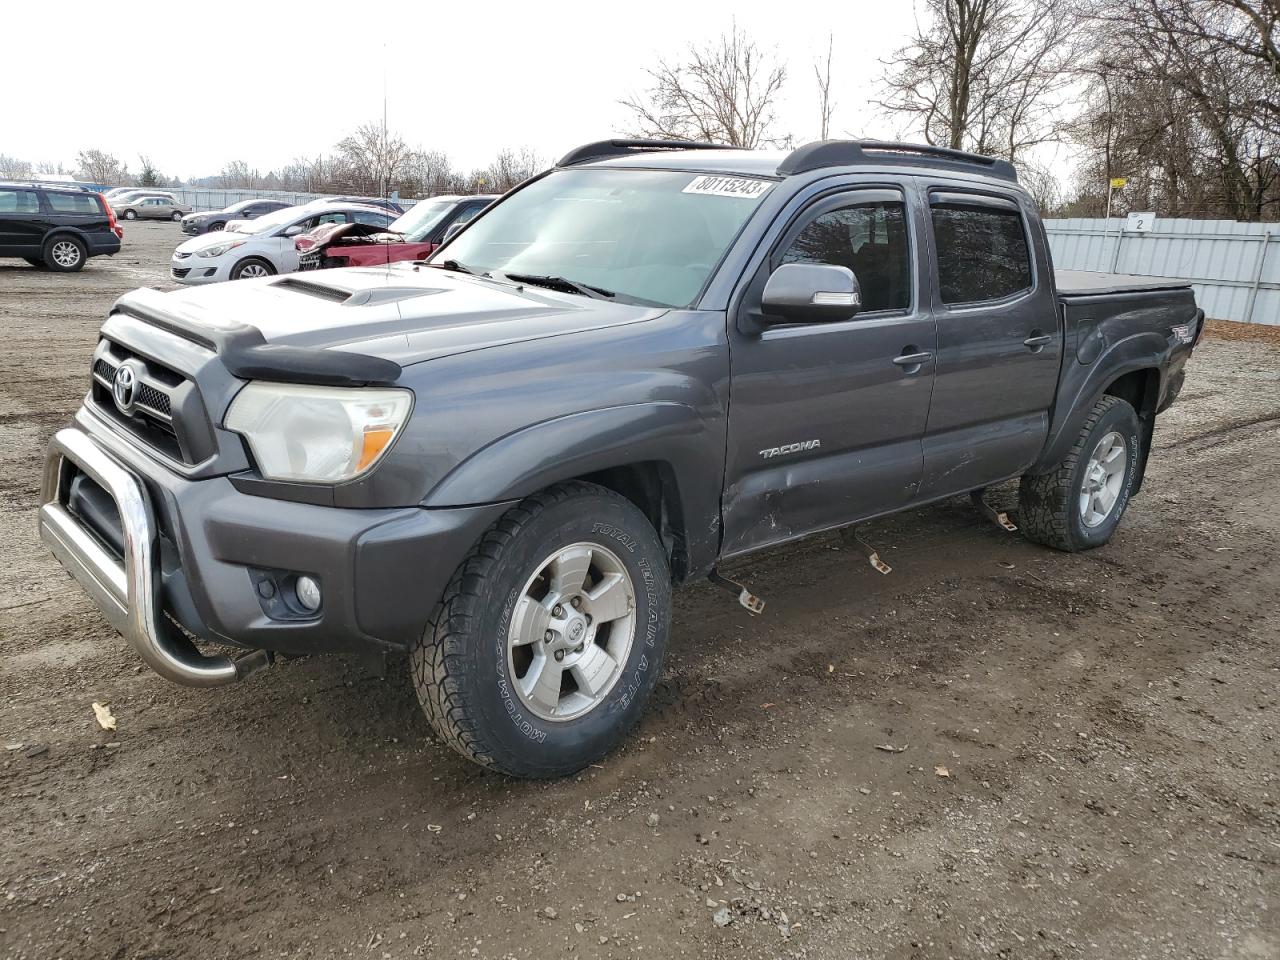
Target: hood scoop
{"x": 372, "y": 296}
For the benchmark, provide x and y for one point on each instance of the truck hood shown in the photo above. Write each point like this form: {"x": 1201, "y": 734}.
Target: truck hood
{"x": 403, "y": 313}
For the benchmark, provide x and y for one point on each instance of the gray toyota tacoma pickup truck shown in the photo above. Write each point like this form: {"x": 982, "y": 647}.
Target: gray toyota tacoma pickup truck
{"x": 652, "y": 358}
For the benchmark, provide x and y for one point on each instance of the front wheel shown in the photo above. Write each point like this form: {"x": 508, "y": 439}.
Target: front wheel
{"x": 130, "y": 215}
{"x": 251, "y": 268}
{"x": 177, "y": 216}
{"x": 1078, "y": 505}
{"x": 550, "y": 636}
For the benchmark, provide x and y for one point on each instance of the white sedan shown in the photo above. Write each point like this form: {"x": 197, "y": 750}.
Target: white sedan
{"x": 262, "y": 247}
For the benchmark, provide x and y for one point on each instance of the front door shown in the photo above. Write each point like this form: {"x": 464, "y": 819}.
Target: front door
{"x": 999, "y": 342}
{"x": 826, "y": 420}
{"x": 22, "y": 224}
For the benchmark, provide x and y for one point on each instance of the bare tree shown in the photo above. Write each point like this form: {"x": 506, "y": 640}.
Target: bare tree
{"x": 1182, "y": 100}
{"x": 11, "y": 168}
{"x": 825, "y": 105}
{"x": 238, "y": 175}
{"x": 97, "y": 166}
{"x": 510, "y": 168}
{"x": 722, "y": 92}
{"x": 372, "y": 158}
{"x": 985, "y": 75}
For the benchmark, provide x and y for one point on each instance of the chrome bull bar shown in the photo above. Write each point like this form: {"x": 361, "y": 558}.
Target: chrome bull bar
{"x": 128, "y": 594}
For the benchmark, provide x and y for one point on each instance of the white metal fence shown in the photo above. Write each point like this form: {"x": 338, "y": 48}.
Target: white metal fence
{"x": 1234, "y": 267}
{"x": 209, "y": 198}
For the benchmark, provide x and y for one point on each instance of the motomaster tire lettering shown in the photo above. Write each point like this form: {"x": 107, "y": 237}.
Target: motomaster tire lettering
{"x": 509, "y": 702}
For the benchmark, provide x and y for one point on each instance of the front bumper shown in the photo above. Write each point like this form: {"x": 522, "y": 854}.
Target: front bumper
{"x": 198, "y": 551}
{"x": 197, "y": 269}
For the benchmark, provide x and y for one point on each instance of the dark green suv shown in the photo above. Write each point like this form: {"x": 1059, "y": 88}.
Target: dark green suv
{"x": 58, "y": 227}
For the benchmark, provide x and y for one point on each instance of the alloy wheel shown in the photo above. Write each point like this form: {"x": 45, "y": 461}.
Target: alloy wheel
{"x": 1103, "y": 479}
{"x": 571, "y": 631}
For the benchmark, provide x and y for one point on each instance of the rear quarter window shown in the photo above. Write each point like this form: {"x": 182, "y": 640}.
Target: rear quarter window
{"x": 73, "y": 203}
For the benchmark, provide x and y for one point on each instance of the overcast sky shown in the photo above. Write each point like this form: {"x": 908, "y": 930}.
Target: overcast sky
{"x": 194, "y": 86}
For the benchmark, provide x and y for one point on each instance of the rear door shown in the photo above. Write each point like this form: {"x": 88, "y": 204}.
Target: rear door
{"x": 826, "y": 420}
{"x": 22, "y": 223}
{"x": 999, "y": 339}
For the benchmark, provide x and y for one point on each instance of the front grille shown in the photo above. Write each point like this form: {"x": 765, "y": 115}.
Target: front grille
{"x": 179, "y": 272}
{"x": 181, "y": 255}
{"x": 152, "y": 417}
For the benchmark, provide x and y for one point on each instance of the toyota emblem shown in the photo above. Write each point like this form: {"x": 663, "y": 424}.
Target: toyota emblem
{"x": 123, "y": 388}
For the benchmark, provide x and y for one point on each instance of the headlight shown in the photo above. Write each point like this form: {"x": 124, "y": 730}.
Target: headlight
{"x": 317, "y": 434}
{"x": 219, "y": 249}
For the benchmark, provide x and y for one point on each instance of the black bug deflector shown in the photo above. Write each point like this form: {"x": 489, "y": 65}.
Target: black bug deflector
{"x": 245, "y": 352}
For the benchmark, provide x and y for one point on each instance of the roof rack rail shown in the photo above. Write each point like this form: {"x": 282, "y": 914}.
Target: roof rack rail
{"x": 603, "y": 149}
{"x": 844, "y": 153}
{"x": 47, "y": 184}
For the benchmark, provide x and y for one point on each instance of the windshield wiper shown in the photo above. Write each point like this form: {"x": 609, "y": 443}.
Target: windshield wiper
{"x": 453, "y": 265}
{"x": 563, "y": 284}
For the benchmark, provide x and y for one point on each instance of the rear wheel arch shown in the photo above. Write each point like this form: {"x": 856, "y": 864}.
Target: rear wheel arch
{"x": 1141, "y": 390}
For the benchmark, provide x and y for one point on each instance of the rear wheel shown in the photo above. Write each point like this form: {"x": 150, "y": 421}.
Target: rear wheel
{"x": 550, "y": 636}
{"x": 217, "y": 226}
{"x": 64, "y": 254}
{"x": 1078, "y": 505}
{"x": 250, "y": 268}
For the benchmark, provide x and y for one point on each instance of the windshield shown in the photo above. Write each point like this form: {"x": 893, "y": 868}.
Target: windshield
{"x": 272, "y": 221}
{"x": 421, "y": 218}
{"x": 647, "y": 235}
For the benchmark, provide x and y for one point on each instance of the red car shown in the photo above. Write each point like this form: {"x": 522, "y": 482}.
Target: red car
{"x": 414, "y": 236}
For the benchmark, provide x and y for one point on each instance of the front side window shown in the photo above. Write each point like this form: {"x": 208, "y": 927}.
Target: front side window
{"x": 19, "y": 201}
{"x": 645, "y": 236}
{"x": 982, "y": 252}
{"x": 868, "y": 238}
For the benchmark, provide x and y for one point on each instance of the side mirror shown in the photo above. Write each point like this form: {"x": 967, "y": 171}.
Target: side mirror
{"x": 296, "y": 230}
{"x": 811, "y": 293}
{"x": 450, "y": 230}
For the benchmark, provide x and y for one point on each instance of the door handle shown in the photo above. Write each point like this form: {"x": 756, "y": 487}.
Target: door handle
{"x": 912, "y": 359}
{"x": 1036, "y": 341}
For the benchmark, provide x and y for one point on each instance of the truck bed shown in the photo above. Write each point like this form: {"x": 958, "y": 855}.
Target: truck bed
{"x": 1084, "y": 283}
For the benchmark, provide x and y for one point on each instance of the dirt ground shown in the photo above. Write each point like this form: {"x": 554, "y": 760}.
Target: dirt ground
{"x": 1084, "y": 757}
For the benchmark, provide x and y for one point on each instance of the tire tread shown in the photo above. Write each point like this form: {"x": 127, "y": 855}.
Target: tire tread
{"x": 1045, "y": 499}
{"x": 439, "y": 659}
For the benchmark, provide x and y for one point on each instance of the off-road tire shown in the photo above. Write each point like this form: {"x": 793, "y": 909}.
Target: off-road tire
{"x": 1049, "y": 503}
{"x": 64, "y": 253}
{"x": 459, "y": 665}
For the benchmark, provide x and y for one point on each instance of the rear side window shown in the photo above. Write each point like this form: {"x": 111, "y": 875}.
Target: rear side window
{"x": 19, "y": 201}
{"x": 73, "y": 203}
{"x": 868, "y": 238}
{"x": 372, "y": 219}
{"x": 982, "y": 253}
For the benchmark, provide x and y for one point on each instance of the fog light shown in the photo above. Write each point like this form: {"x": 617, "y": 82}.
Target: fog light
{"x": 308, "y": 591}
